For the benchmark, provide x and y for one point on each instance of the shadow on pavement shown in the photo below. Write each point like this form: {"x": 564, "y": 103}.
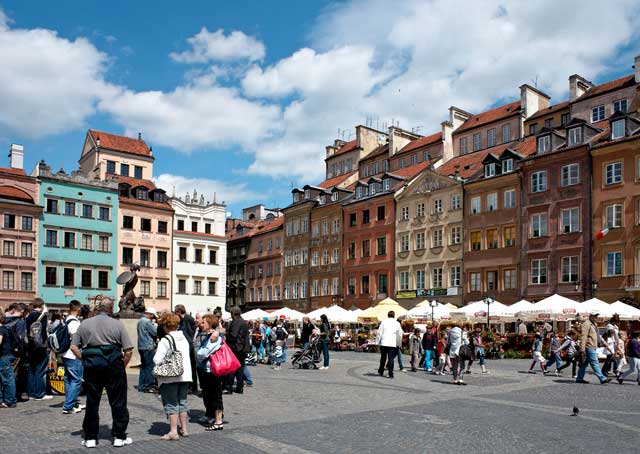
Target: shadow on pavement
{"x": 158, "y": 428}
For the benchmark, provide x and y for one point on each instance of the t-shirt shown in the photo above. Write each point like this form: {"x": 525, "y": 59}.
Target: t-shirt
{"x": 102, "y": 330}
{"x": 72, "y": 326}
{"x": 5, "y": 348}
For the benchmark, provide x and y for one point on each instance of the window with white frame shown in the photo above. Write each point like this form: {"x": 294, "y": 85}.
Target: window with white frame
{"x": 414, "y": 159}
{"x": 287, "y": 258}
{"x": 315, "y": 287}
{"x": 575, "y": 136}
{"x": 315, "y": 230}
{"x": 569, "y": 269}
{"x": 539, "y": 271}
{"x": 404, "y": 280}
{"x": 510, "y": 198}
{"x": 539, "y": 225}
{"x": 304, "y": 289}
{"x": 455, "y": 273}
{"x": 614, "y": 263}
{"x": 492, "y": 201}
{"x": 509, "y": 282}
{"x": 456, "y": 234}
{"x": 335, "y": 258}
{"x": 475, "y": 282}
{"x": 620, "y": 106}
{"x": 490, "y": 170}
{"x": 404, "y": 243}
{"x": 405, "y": 213}
{"x": 437, "y": 205}
{"x": 477, "y": 141}
{"x": 539, "y": 181}
{"x": 570, "y": 220}
{"x": 463, "y": 145}
{"x": 597, "y": 113}
{"x": 507, "y": 165}
{"x": 491, "y": 137}
{"x": 420, "y": 281}
{"x": 296, "y": 290}
{"x": 455, "y": 202}
{"x": 325, "y": 257}
{"x": 618, "y": 129}
{"x": 506, "y": 133}
{"x": 544, "y": 144}
{"x": 420, "y": 209}
{"x": 475, "y": 205}
{"x": 296, "y": 257}
{"x": 613, "y": 216}
{"x": 325, "y": 287}
{"x": 437, "y": 238}
{"x": 325, "y": 228}
{"x": 420, "y": 240}
{"x": 315, "y": 258}
{"x": 569, "y": 175}
{"x": 335, "y": 286}
{"x": 613, "y": 172}
{"x": 376, "y": 168}
{"x": 437, "y": 277}
{"x": 334, "y": 196}
{"x": 386, "y": 184}
{"x": 336, "y": 226}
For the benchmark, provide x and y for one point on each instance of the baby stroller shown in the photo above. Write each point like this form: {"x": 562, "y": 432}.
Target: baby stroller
{"x": 252, "y": 359}
{"x": 307, "y": 358}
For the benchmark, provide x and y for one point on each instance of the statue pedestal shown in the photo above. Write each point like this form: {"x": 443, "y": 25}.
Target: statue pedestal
{"x": 131, "y": 325}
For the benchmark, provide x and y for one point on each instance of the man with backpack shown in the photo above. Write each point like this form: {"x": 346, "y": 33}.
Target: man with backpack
{"x": 15, "y": 323}
{"x": 37, "y": 352}
{"x": 73, "y": 369}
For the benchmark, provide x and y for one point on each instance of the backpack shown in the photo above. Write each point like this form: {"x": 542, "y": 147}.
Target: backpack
{"x": 272, "y": 336}
{"x": 279, "y": 333}
{"x": 35, "y": 333}
{"x": 60, "y": 339}
{"x": 18, "y": 343}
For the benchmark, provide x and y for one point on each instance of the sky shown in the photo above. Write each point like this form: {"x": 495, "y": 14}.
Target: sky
{"x": 240, "y": 98}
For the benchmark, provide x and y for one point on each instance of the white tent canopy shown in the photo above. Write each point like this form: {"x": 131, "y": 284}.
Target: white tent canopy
{"x": 625, "y": 311}
{"x": 255, "y": 314}
{"x": 598, "y": 305}
{"x": 478, "y": 309}
{"x": 555, "y": 305}
{"x": 424, "y": 311}
{"x": 334, "y": 313}
{"x": 520, "y": 306}
{"x": 290, "y": 314}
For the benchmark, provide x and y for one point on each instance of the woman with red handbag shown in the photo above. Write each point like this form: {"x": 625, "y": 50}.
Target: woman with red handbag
{"x": 211, "y": 384}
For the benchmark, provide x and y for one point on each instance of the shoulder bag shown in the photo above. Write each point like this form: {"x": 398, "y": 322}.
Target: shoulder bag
{"x": 223, "y": 361}
{"x": 171, "y": 365}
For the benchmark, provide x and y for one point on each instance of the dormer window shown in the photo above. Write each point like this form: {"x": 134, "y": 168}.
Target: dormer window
{"x": 322, "y": 200}
{"x": 296, "y": 197}
{"x": 376, "y": 168}
{"x": 358, "y": 192}
{"x": 372, "y": 188}
{"x": 142, "y": 194}
{"x": 618, "y": 129}
{"x": 334, "y": 197}
{"x": 575, "y": 136}
{"x": 490, "y": 170}
{"x": 385, "y": 165}
{"x": 365, "y": 171}
{"x": 158, "y": 197}
{"x": 507, "y": 165}
{"x": 386, "y": 184}
{"x": 544, "y": 144}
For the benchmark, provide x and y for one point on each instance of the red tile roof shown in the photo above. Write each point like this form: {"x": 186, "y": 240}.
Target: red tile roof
{"x": 345, "y": 148}
{"x": 13, "y": 171}
{"x": 258, "y": 228}
{"x": 146, "y": 203}
{"x": 617, "y": 84}
{"x": 335, "y": 181}
{"x": 9, "y": 192}
{"x": 135, "y": 182}
{"x": 422, "y": 142}
{"x": 490, "y": 116}
{"x": 411, "y": 171}
{"x": 550, "y": 110}
{"x": 120, "y": 143}
{"x": 376, "y": 153}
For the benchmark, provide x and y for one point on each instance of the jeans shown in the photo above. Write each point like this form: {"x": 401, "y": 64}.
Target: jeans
{"x": 145, "y": 379}
{"x": 387, "y": 357}
{"x": 261, "y": 352}
{"x": 194, "y": 374}
{"x": 457, "y": 364}
{"x": 325, "y": 352}
{"x": 114, "y": 379}
{"x": 571, "y": 361}
{"x": 428, "y": 358}
{"x": 72, "y": 382}
{"x": 7, "y": 381}
{"x": 247, "y": 375}
{"x": 591, "y": 359}
{"x": 174, "y": 397}
{"x": 237, "y": 376}
{"x": 36, "y": 378}
{"x": 399, "y": 355}
{"x": 634, "y": 366}
{"x": 480, "y": 355}
{"x": 554, "y": 357}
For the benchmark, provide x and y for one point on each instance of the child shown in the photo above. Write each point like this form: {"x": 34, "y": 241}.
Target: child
{"x": 278, "y": 353}
{"x": 554, "y": 354}
{"x": 569, "y": 347}
{"x": 415, "y": 349}
{"x": 479, "y": 350}
{"x": 633, "y": 356}
{"x": 536, "y": 348}
{"x": 443, "y": 358}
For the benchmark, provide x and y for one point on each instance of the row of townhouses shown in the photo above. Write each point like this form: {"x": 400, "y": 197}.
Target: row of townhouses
{"x": 68, "y": 236}
{"x": 524, "y": 200}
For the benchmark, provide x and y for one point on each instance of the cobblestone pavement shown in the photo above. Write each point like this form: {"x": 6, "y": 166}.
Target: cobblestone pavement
{"x": 349, "y": 408}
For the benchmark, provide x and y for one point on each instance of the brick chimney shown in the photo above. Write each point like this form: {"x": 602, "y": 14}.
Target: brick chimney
{"x": 636, "y": 66}
{"x": 578, "y": 86}
{"x": 16, "y": 156}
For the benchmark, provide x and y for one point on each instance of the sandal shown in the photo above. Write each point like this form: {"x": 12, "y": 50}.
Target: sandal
{"x": 170, "y": 437}
{"x": 215, "y": 426}
{"x": 183, "y": 433}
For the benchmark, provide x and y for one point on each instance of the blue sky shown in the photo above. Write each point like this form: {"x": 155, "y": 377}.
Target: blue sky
{"x": 241, "y": 97}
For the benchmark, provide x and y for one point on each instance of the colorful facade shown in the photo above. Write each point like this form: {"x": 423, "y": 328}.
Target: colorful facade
{"x": 264, "y": 265}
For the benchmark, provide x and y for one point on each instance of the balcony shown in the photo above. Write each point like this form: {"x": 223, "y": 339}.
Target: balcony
{"x": 633, "y": 282}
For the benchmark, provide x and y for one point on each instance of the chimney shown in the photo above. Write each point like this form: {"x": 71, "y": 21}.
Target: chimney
{"x": 16, "y": 156}
{"x": 578, "y": 86}
{"x": 139, "y": 136}
{"x": 457, "y": 117}
{"x": 98, "y": 141}
{"x": 636, "y": 66}
{"x": 532, "y": 100}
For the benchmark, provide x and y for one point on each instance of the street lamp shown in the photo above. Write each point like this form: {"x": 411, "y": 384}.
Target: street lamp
{"x": 594, "y": 284}
{"x": 576, "y": 286}
{"x": 488, "y": 300}
{"x": 433, "y": 304}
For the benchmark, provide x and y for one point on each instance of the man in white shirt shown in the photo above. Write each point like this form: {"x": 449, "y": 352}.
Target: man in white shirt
{"x": 389, "y": 338}
{"x": 72, "y": 365}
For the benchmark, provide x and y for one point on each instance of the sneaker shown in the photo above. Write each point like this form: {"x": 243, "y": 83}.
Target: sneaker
{"x": 485, "y": 372}
{"x": 531, "y": 371}
{"x": 324, "y": 368}
{"x": 119, "y": 443}
{"x": 6, "y": 405}
{"x": 557, "y": 374}
{"x": 81, "y": 407}
{"x": 620, "y": 380}
{"x": 606, "y": 380}
{"x": 73, "y": 411}
{"x": 573, "y": 376}
{"x": 583, "y": 382}
{"x": 45, "y": 397}
{"x": 89, "y": 443}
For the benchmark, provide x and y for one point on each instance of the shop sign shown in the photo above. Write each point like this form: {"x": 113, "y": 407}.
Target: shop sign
{"x": 406, "y": 294}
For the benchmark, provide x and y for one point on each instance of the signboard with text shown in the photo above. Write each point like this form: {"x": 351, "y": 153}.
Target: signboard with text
{"x": 406, "y": 294}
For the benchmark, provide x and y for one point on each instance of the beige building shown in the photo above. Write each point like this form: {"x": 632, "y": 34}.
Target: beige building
{"x": 429, "y": 240}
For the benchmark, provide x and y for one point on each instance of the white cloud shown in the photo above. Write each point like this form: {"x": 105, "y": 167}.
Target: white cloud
{"x": 209, "y": 46}
{"x": 48, "y": 84}
{"x": 229, "y": 193}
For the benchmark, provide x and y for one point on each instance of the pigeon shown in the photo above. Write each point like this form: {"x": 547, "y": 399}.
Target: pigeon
{"x": 576, "y": 410}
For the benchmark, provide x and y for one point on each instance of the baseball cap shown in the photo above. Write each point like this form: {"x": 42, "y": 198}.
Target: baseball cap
{"x": 151, "y": 311}
{"x": 594, "y": 312}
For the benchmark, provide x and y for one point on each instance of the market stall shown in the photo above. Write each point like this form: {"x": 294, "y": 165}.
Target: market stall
{"x": 379, "y": 312}
{"x": 255, "y": 314}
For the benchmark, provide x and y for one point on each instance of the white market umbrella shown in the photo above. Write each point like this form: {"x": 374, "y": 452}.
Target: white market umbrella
{"x": 379, "y": 312}
{"x": 334, "y": 313}
{"x": 520, "y": 306}
{"x": 255, "y": 314}
{"x": 625, "y": 310}
{"x": 289, "y": 314}
{"x": 478, "y": 309}
{"x": 439, "y": 312}
{"x": 555, "y": 305}
{"x": 594, "y": 304}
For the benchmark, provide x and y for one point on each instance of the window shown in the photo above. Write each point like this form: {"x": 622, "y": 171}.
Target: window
{"x": 476, "y": 241}
{"x": 366, "y": 248}
{"x": 351, "y": 251}
{"x": 161, "y": 259}
{"x": 137, "y": 172}
{"x": 207, "y": 228}
{"x": 351, "y": 286}
{"x": 570, "y": 220}
{"x": 539, "y": 271}
{"x": 325, "y": 257}
{"x": 198, "y": 256}
{"x": 509, "y": 282}
{"x": 404, "y": 280}
{"x": 575, "y": 136}
{"x": 597, "y": 114}
{"x": 9, "y": 221}
{"x": 401, "y": 164}
{"x": 420, "y": 209}
{"x": 27, "y": 223}
{"x": 111, "y": 167}
{"x": 352, "y": 220}
{"x": 69, "y": 208}
{"x": 335, "y": 258}
{"x": 9, "y": 248}
{"x": 414, "y": 159}
{"x": 181, "y": 224}
{"x": 539, "y": 181}
{"x": 142, "y": 194}
{"x": 162, "y": 226}
{"x": 510, "y": 198}
{"x": 103, "y": 244}
{"x": 87, "y": 211}
{"x": 492, "y": 201}
{"x": 613, "y": 172}
{"x": 420, "y": 279}
{"x": 477, "y": 141}
{"x": 620, "y": 106}
{"x": 455, "y": 273}
{"x": 404, "y": 243}
{"x": 455, "y": 202}
{"x": 51, "y": 238}
{"x": 315, "y": 288}
{"x": 463, "y": 145}
{"x": 87, "y": 241}
{"x": 382, "y": 283}
{"x": 7, "y": 280}
{"x": 618, "y": 129}
{"x": 381, "y": 213}
{"x": 213, "y": 257}
{"x": 506, "y": 133}
{"x": 145, "y": 258}
{"x": 475, "y": 282}
{"x": 548, "y": 123}
{"x": 277, "y": 270}
{"x": 69, "y": 277}
{"x": 127, "y": 222}
{"x": 613, "y": 216}
{"x": 315, "y": 258}
{"x": 491, "y": 137}
{"x": 50, "y": 275}
{"x": 569, "y": 175}
{"x": 52, "y": 206}
{"x": 539, "y": 225}
{"x": 437, "y": 278}
{"x": 456, "y": 234}
{"x": 69, "y": 240}
{"x": 127, "y": 256}
{"x": 124, "y": 170}
{"x": 570, "y": 269}
{"x": 492, "y": 238}
{"x": 405, "y": 213}
{"x": 376, "y": 168}
{"x": 182, "y": 286}
{"x": 26, "y": 250}
{"x": 197, "y": 288}
{"x": 194, "y": 226}
{"x": 365, "y": 217}
{"x": 437, "y": 205}
{"x": 420, "y": 240}
{"x": 614, "y": 263}
{"x": 533, "y": 129}
{"x": 437, "y": 238}
{"x": 103, "y": 213}
{"x": 86, "y": 279}
{"x": 490, "y": 170}
{"x": 26, "y": 282}
{"x": 544, "y": 144}
{"x": 509, "y": 236}
{"x": 161, "y": 290}
{"x": 492, "y": 279}
{"x": 382, "y": 246}
{"x": 145, "y": 225}
{"x": 565, "y": 118}
{"x": 364, "y": 285}
{"x": 475, "y": 205}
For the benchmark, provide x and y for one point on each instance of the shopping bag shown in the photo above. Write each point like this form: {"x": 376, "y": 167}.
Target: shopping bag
{"x": 223, "y": 362}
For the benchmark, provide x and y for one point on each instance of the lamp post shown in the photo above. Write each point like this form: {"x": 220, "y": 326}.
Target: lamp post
{"x": 594, "y": 287}
{"x": 433, "y": 304}
{"x": 488, "y": 300}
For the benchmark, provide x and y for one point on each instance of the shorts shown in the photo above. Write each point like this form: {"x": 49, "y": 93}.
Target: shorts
{"x": 174, "y": 397}
{"x": 537, "y": 356}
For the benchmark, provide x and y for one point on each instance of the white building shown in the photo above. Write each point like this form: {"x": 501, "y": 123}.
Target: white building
{"x": 199, "y": 253}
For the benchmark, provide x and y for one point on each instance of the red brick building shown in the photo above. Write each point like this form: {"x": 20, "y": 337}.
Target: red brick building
{"x": 264, "y": 265}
